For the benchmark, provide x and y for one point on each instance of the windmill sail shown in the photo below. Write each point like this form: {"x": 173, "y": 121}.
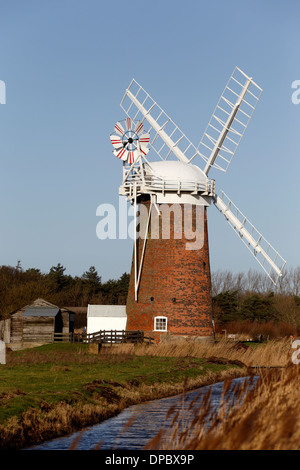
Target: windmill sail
{"x": 167, "y": 140}
{"x": 269, "y": 259}
{"x": 229, "y": 121}
{"x": 216, "y": 148}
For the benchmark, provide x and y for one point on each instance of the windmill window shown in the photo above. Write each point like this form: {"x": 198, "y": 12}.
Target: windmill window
{"x": 160, "y": 324}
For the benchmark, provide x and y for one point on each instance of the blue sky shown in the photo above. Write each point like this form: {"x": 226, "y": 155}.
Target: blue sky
{"x": 66, "y": 64}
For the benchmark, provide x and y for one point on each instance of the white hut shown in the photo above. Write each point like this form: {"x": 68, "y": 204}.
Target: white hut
{"x": 106, "y": 317}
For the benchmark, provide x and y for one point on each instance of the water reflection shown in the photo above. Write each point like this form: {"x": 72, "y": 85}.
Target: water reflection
{"x": 145, "y": 419}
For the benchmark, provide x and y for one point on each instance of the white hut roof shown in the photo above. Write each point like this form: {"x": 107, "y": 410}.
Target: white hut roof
{"x": 106, "y": 311}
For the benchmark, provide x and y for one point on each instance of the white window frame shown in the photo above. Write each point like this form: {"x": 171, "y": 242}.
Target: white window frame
{"x": 161, "y": 318}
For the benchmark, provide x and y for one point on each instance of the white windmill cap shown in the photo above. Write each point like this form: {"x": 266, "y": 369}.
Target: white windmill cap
{"x": 174, "y": 170}
{"x": 177, "y": 182}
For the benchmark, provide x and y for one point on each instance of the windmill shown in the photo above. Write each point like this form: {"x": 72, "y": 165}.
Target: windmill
{"x": 170, "y": 279}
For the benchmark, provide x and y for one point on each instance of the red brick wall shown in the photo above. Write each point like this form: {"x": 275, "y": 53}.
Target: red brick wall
{"x": 175, "y": 283}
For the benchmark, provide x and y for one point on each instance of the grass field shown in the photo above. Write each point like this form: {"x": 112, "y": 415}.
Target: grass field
{"x": 55, "y": 389}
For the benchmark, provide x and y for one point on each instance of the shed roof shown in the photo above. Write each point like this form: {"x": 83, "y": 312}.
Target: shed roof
{"x": 40, "y": 312}
{"x": 82, "y": 310}
{"x": 106, "y": 311}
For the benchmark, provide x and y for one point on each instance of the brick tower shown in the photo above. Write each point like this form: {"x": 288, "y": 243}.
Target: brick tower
{"x": 174, "y": 292}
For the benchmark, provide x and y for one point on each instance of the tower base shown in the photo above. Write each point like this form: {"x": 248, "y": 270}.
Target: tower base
{"x": 174, "y": 291}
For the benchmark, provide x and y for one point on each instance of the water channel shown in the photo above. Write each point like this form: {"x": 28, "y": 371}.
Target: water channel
{"x": 146, "y": 420}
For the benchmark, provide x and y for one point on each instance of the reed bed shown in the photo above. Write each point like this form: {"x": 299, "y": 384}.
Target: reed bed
{"x": 275, "y": 353}
{"x": 263, "y": 417}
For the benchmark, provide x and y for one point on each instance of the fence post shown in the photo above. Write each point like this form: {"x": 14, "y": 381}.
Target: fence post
{"x": 2, "y": 353}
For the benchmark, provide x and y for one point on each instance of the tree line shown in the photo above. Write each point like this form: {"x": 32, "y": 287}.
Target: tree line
{"x": 251, "y": 298}
{"x": 256, "y": 282}
{"x": 20, "y": 287}
{"x": 241, "y": 297}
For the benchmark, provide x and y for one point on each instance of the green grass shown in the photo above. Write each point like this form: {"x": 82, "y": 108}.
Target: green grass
{"x": 50, "y": 374}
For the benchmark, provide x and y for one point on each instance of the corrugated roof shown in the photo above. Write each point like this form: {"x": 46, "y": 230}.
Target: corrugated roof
{"x": 40, "y": 312}
{"x": 106, "y": 311}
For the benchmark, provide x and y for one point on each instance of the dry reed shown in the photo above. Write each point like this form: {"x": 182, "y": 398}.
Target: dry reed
{"x": 263, "y": 417}
{"x": 270, "y": 354}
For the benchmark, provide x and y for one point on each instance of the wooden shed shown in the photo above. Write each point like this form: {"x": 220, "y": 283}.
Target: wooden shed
{"x": 38, "y": 322}
{"x": 80, "y": 318}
